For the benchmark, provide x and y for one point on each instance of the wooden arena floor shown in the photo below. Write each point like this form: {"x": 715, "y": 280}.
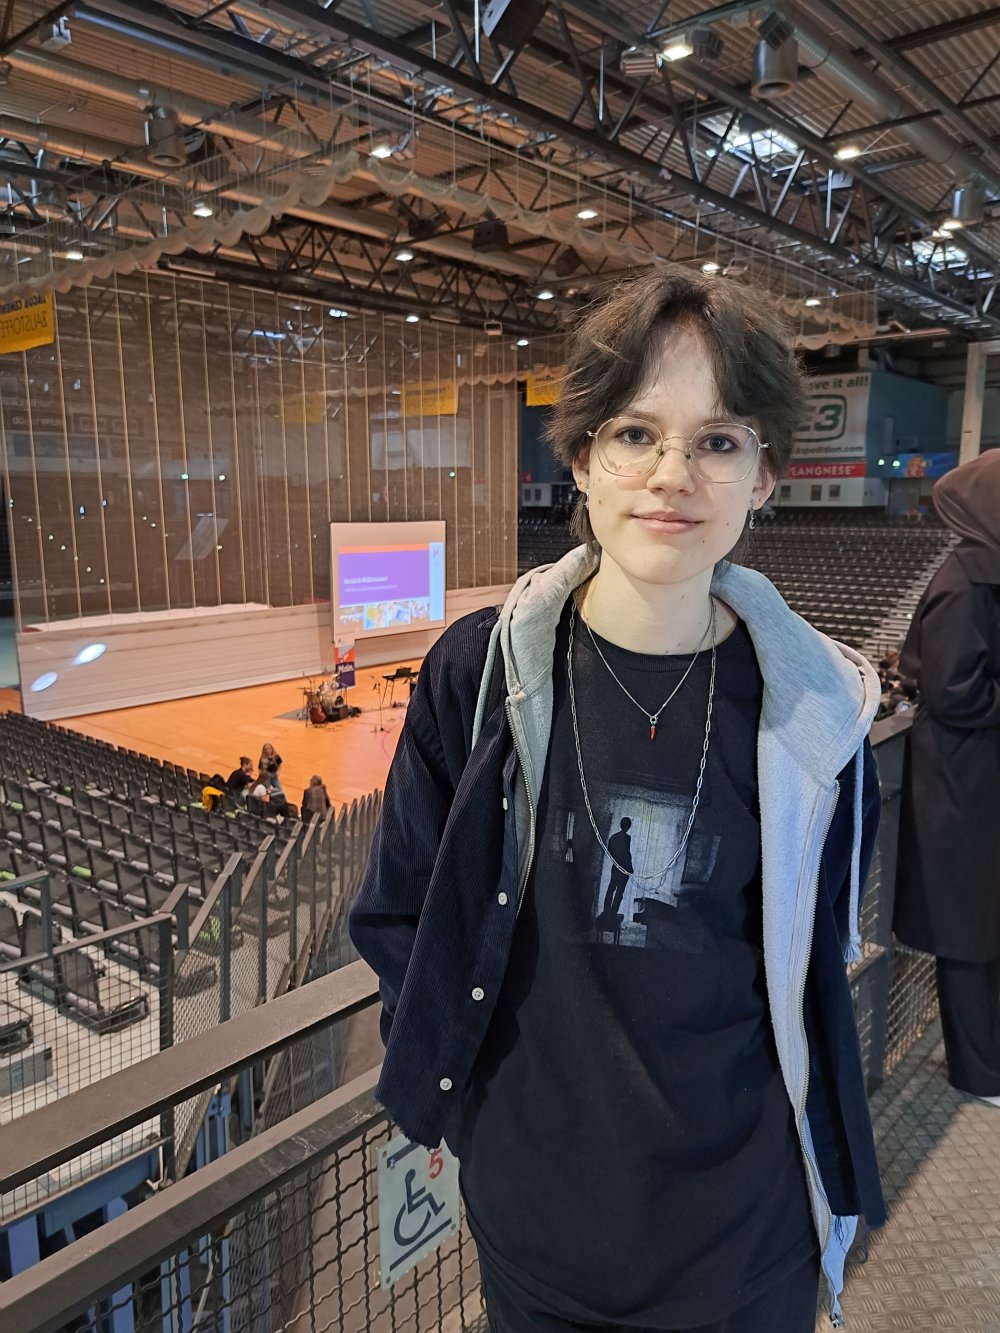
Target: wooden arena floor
{"x": 210, "y": 732}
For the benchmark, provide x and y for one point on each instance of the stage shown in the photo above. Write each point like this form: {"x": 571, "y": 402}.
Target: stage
{"x": 209, "y": 732}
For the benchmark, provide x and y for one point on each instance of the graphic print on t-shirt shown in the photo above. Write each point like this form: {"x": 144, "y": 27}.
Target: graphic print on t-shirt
{"x": 630, "y": 904}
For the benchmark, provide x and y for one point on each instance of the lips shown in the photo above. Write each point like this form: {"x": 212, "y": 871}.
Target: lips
{"x": 666, "y": 516}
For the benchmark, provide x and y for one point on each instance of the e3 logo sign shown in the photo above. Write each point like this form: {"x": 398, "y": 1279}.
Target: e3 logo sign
{"x": 827, "y": 419}
{"x": 417, "y": 1204}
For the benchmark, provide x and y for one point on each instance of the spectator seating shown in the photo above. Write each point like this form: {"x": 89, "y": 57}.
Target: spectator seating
{"x": 844, "y": 570}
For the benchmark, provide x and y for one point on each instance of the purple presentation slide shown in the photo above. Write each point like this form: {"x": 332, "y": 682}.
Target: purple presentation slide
{"x": 379, "y": 576}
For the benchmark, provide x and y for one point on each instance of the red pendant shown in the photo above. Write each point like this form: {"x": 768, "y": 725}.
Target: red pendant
{"x": 652, "y": 731}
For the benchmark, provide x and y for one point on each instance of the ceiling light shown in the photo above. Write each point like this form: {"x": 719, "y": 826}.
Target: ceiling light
{"x": 203, "y": 209}
{"x": 966, "y": 208}
{"x": 403, "y": 256}
{"x": 586, "y": 214}
{"x": 521, "y": 342}
{"x": 334, "y": 313}
{"x": 381, "y": 148}
{"x": 413, "y": 319}
{"x": 812, "y": 301}
{"x": 165, "y": 145}
{"x": 710, "y": 266}
{"x": 847, "y": 152}
{"x": 545, "y": 294}
{"x": 73, "y": 251}
{"x": 775, "y": 70}
{"x": 678, "y": 48}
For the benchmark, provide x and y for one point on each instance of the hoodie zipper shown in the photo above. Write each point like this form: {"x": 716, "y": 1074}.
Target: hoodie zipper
{"x": 531, "y": 810}
{"x": 836, "y": 1318}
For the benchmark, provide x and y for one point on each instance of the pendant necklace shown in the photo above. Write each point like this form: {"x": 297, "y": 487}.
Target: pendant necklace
{"x": 583, "y": 779}
{"x": 654, "y": 718}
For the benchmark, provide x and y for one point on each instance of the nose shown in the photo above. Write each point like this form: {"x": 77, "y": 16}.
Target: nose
{"x": 673, "y": 472}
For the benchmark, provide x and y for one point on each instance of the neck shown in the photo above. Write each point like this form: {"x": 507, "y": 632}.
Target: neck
{"x": 641, "y": 619}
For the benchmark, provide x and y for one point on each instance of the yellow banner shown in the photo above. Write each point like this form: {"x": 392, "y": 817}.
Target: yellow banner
{"x": 436, "y": 398}
{"x": 544, "y": 387}
{"x": 307, "y": 409}
{"x": 26, "y": 321}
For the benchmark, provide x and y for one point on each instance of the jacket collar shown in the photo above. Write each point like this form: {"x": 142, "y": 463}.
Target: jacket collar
{"x": 820, "y": 696}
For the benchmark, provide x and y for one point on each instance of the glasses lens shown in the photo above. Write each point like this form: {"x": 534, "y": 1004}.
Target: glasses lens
{"x": 628, "y": 446}
{"x": 724, "y": 451}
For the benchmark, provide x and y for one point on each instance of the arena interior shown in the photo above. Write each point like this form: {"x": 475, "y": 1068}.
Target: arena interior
{"x": 283, "y": 281}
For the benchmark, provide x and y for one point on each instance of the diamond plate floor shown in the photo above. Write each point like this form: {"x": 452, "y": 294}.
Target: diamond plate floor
{"x": 936, "y": 1263}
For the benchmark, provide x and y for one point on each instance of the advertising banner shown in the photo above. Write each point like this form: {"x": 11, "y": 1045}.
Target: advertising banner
{"x": 436, "y": 398}
{"x": 26, "y": 322}
{"x": 820, "y": 471}
{"x": 543, "y": 387}
{"x": 836, "y": 422}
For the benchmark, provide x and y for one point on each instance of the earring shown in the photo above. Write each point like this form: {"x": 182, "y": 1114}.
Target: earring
{"x": 586, "y": 497}
{"x": 752, "y": 523}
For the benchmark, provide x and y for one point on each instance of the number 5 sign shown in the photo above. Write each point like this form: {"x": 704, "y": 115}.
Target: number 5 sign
{"x": 417, "y": 1204}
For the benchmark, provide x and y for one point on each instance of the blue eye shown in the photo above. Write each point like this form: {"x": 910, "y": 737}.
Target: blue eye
{"x": 637, "y": 437}
{"x": 718, "y": 442}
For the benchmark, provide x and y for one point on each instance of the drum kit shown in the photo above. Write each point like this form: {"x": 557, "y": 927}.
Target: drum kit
{"x": 324, "y": 702}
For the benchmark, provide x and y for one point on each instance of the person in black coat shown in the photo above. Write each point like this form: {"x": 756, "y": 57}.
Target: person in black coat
{"x": 948, "y": 882}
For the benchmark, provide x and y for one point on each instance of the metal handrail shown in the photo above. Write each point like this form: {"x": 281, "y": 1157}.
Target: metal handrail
{"x": 57, "y": 1133}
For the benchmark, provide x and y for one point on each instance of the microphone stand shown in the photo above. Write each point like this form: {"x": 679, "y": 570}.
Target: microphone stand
{"x": 379, "y": 690}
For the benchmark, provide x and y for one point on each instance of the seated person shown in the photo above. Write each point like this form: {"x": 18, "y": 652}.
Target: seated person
{"x": 242, "y": 777}
{"x": 315, "y": 799}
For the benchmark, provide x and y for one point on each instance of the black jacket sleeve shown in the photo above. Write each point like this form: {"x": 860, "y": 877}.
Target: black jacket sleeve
{"x": 427, "y": 767}
{"x": 956, "y": 681}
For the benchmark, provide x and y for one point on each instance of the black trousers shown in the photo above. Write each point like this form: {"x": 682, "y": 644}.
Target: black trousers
{"x": 788, "y": 1307}
{"x": 969, "y": 996}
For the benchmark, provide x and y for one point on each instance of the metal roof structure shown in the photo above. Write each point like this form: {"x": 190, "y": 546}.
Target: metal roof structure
{"x": 474, "y": 161}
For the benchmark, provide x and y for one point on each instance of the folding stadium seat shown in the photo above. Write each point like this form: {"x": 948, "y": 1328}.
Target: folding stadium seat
{"x": 185, "y": 844}
{"x": 15, "y": 1030}
{"x": 100, "y": 806}
{"x": 8, "y": 866}
{"x": 161, "y": 863}
{"x": 30, "y": 832}
{"x": 119, "y": 814}
{"x": 131, "y": 885}
{"x": 10, "y": 933}
{"x": 43, "y": 972}
{"x": 10, "y": 825}
{"x": 53, "y": 845}
{"x": 136, "y": 850}
{"x": 106, "y": 1001}
{"x": 89, "y": 828}
{"x": 87, "y": 919}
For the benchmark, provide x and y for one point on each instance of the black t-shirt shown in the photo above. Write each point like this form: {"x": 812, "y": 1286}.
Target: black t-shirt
{"x": 627, "y": 1146}
{"x": 237, "y": 779}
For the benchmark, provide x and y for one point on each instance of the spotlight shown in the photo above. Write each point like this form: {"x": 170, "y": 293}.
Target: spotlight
{"x": 775, "y": 70}
{"x": 403, "y": 256}
{"x": 334, "y": 313}
{"x": 710, "y": 266}
{"x": 203, "y": 209}
{"x": 966, "y": 208}
{"x": 413, "y": 319}
{"x": 165, "y": 146}
{"x": 847, "y": 152}
{"x": 73, "y": 251}
{"x": 521, "y": 342}
{"x": 812, "y": 301}
{"x": 586, "y": 214}
{"x": 545, "y": 295}
{"x": 382, "y": 146}
{"x": 678, "y": 48}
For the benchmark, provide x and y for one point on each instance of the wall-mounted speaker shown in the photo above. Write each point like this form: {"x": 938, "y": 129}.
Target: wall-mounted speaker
{"x": 511, "y": 22}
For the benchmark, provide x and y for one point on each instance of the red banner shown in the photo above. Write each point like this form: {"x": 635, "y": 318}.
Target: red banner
{"x": 818, "y": 471}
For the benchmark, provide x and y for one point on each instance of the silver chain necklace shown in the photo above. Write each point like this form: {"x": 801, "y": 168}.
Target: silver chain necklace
{"x": 583, "y": 779}
{"x": 654, "y": 718}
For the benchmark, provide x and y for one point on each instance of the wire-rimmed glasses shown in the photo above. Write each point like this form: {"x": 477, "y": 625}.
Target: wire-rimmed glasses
{"x": 720, "y": 451}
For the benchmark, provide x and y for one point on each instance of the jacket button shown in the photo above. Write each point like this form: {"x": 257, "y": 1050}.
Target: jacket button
{"x": 505, "y": 802}
{"x": 478, "y": 992}
{"x": 445, "y": 1085}
{"x": 502, "y": 899}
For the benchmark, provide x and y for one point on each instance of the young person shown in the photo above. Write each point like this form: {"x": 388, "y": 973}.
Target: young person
{"x": 617, "y": 870}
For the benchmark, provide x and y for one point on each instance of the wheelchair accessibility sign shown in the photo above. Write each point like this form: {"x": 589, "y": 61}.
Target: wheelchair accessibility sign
{"x": 417, "y": 1204}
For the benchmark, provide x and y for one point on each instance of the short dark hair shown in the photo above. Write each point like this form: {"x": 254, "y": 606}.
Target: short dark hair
{"x": 245, "y": 759}
{"x": 614, "y": 353}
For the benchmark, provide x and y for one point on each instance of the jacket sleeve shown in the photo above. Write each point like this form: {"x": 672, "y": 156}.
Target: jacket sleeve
{"x": 418, "y": 793}
{"x": 955, "y": 680}
{"x": 426, "y": 769}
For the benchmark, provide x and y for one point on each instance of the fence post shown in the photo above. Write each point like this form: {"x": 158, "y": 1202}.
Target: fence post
{"x": 165, "y": 963}
{"x": 292, "y": 870}
{"x": 225, "y": 907}
{"x": 45, "y": 891}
